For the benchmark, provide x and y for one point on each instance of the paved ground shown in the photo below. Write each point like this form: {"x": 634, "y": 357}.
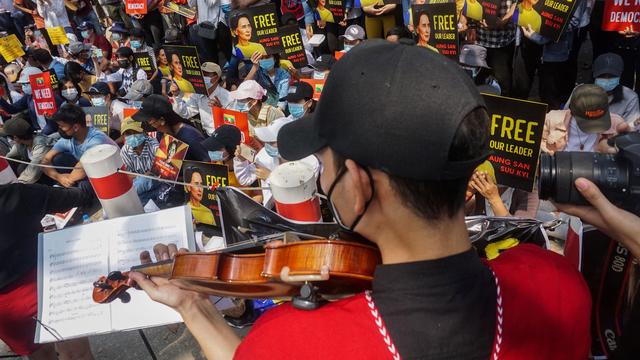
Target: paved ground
{"x": 165, "y": 342}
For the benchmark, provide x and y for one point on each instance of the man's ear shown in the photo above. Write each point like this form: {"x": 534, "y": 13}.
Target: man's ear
{"x": 359, "y": 185}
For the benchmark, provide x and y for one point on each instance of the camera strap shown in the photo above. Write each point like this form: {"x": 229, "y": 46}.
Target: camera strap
{"x": 610, "y": 294}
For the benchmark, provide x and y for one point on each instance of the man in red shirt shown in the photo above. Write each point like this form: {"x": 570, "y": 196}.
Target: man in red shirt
{"x": 398, "y": 132}
{"x": 90, "y": 37}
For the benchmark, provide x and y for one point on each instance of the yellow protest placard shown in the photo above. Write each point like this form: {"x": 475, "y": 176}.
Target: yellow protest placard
{"x": 10, "y": 48}
{"x": 57, "y": 35}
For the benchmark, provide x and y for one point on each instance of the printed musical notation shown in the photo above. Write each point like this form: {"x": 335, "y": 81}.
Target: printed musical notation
{"x": 70, "y": 260}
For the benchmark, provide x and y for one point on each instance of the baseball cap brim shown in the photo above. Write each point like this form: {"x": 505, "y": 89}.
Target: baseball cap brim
{"x": 605, "y": 70}
{"x": 300, "y": 138}
{"x": 348, "y": 37}
{"x": 142, "y": 116}
{"x": 594, "y": 125}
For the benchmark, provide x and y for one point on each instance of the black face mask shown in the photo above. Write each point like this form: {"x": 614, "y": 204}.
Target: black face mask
{"x": 63, "y": 135}
{"x": 334, "y": 210}
{"x": 124, "y": 64}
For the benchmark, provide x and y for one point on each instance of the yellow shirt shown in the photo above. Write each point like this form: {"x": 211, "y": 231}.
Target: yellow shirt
{"x": 202, "y": 214}
{"x": 165, "y": 70}
{"x": 326, "y": 15}
{"x": 184, "y": 85}
{"x": 430, "y": 48}
{"x": 249, "y": 49}
{"x": 473, "y": 10}
{"x": 365, "y": 3}
{"x": 529, "y": 17}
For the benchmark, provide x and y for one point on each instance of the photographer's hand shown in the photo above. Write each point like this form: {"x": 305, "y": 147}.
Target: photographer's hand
{"x": 621, "y": 225}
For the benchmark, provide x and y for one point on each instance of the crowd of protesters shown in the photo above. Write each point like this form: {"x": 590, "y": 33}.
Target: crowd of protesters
{"x": 587, "y": 71}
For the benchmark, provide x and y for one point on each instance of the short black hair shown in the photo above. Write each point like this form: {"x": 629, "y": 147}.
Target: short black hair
{"x": 74, "y": 71}
{"x": 189, "y": 171}
{"x": 124, "y": 52}
{"x": 436, "y": 200}
{"x": 42, "y": 56}
{"x": 70, "y": 114}
{"x": 64, "y": 80}
{"x": 235, "y": 19}
{"x": 399, "y": 31}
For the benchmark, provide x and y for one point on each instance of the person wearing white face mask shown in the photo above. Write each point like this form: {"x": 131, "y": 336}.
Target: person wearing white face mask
{"x": 266, "y": 160}
{"x": 300, "y": 99}
{"x": 250, "y": 97}
{"x": 194, "y": 104}
{"x": 267, "y": 72}
{"x": 70, "y": 92}
{"x": 322, "y": 66}
{"x": 138, "y": 153}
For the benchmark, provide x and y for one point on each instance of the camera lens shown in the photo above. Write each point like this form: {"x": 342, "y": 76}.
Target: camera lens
{"x": 558, "y": 174}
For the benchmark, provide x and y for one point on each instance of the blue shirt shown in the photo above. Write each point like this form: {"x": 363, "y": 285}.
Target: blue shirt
{"x": 57, "y": 68}
{"x": 94, "y": 137}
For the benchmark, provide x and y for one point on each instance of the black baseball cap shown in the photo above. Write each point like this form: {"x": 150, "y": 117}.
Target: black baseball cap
{"x": 398, "y": 112}
{"x": 300, "y": 90}
{"x": 324, "y": 62}
{"x": 99, "y": 88}
{"x": 154, "y": 107}
{"x": 226, "y": 136}
{"x": 608, "y": 64}
{"x": 589, "y": 105}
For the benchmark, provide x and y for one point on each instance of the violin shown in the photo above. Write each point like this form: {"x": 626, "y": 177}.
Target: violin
{"x": 283, "y": 269}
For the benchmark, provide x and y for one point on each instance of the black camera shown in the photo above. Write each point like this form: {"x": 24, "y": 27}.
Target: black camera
{"x": 617, "y": 176}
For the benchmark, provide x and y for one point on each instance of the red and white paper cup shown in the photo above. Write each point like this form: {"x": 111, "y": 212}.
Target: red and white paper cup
{"x": 114, "y": 190}
{"x": 294, "y": 189}
{"x": 6, "y": 174}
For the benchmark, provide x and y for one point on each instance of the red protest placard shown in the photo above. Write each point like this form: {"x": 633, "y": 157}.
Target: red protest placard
{"x": 236, "y": 118}
{"x": 133, "y": 7}
{"x": 620, "y": 15}
{"x": 169, "y": 158}
{"x": 43, "y": 93}
{"x": 317, "y": 86}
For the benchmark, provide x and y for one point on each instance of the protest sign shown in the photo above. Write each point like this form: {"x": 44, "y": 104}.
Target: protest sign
{"x": 257, "y": 30}
{"x": 317, "y": 86}
{"x": 336, "y": 7}
{"x": 203, "y": 201}
{"x": 479, "y": 10}
{"x": 98, "y": 117}
{"x": 293, "y": 47}
{"x": 620, "y": 15}
{"x": 236, "y": 118}
{"x": 43, "y": 93}
{"x": 169, "y": 157}
{"x": 10, "y": 48}
{"x": 57, "y": 35}
{"x": 180, "y": 10}
{"x": 143, "y": 59}
{"x": 549, "y": 17}
{"x": 436, "y": 25}
{"x": 516, "y": 133}
{"x": 135, "y": 7}
{"x": 185, "y": 68}
{"x": 53, "y": 78}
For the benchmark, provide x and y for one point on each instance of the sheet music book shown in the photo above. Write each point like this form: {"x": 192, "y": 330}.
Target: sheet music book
{"x": 70, "y": 260}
